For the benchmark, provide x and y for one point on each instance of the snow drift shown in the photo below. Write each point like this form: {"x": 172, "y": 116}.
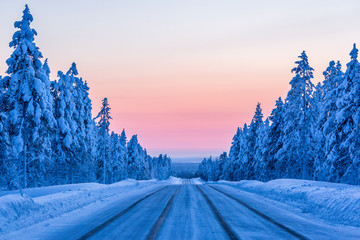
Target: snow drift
{"x": 338, "y": 203}
{"x": 18, "y": 212}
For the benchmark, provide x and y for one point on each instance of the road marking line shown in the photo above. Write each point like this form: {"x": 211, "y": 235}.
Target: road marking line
{"x": 160, "y": 221}
{"x": 283, "y": 227}
{"x": 101, "y": 226}
{"x": 231, "y": 234}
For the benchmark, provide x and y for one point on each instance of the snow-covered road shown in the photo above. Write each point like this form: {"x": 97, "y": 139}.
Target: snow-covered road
{"x": 212, "y": 212}
{"x": 188, "y": 211}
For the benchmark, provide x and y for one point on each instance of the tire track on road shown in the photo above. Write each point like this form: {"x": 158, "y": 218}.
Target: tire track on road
{"x": 103, "y": 225}
{"x": 231, "y": 234}
{"x": 160, "y": 221}
{"x": 283, "y": 227}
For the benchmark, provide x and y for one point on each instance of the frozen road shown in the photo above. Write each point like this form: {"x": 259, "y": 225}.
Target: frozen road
{"x": 190, "y": 211}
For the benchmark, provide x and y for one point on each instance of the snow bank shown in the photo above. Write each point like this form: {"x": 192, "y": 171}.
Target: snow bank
{"x": 41, "y": 191}
{"x": 17, "y": 212}
{"x": 338, "y": 203}
{"x": 175, "y": 180}
{"x": 198, "y": 181}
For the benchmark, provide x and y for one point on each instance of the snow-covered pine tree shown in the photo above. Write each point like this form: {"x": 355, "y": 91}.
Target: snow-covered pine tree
{"x": 208, "y": 169}
{"x": 317, "y": 140}
{"x": 28, "y": 104}
{"x": 272, "y": 168}
{"x": 113, "y": 164}
{"x": 261, "y": 150}
{"x": 103, "y": 151}
{"x": 117, "y": 166}
{"x": 123, "y": 155}
{"x": 297, "y": 151}
{"x": 4, "y": 157}
{"x": 231, "y": 164}
{"x": 223, "y": 159}
{"x": 347, "y": 167}
{"x": 326, "y": 124}
{"x": 252, "y": 136}
{"x": 241, "y": 165}
{"x": 64, "y": 144}
{"x": 203, "y": 170}
{"x": 82, "y": 118}
{"x": 167, "y": 166}
{"x": 149, "y": 170}
{"x": 134, "y": 158}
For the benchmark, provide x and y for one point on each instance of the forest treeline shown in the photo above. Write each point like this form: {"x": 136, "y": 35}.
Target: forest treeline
{"x": 314, "y": 134}
{"x": 47, "y": 132}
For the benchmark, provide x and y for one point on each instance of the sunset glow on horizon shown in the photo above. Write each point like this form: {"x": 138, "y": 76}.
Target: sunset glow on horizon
{"x": 183, "y": 75}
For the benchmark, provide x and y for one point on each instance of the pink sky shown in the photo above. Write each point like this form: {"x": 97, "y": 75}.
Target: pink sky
{"x": 184, "y": 74}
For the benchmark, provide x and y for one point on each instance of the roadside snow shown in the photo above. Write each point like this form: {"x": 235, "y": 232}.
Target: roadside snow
{"x": 175, "y": 180}
{"x": 17, "y": 212}
{"x": 338, "y": 203}
{"x": 41, "y": 191}
{"x": 198, "y": 181}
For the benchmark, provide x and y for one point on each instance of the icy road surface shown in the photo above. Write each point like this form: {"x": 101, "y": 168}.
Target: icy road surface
{"x": 188, "y": 211}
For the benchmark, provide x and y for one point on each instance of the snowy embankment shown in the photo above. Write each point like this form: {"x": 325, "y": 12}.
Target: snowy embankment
{"x": 338, "y": 203}
{"x": 17, "y": 212}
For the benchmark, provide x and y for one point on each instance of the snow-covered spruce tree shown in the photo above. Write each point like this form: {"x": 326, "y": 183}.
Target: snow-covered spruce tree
{"x": 82, "y": 119}
{"x": 135, "y": 159}
{"x": 347, "y": 163}
{"x": 118, "y": 157}
{"x": 231, "y": 164}
{"x": 317, "y": 140}
{"x": 271, "y": 167}
{"x": 123, "y": 155}
{"x": 113, "y": 164}
{"x": 203, "y": 170}
{"x": 241, "y": 166}
{"x": 297, "y": 152}
{"x": 162, "y": 167}
{"x": 64, "y": 145}
{"x": 326, "y": 124}
{"x": 208, "y": 169}
{"x": 103, "y": 151}
{"x": 261, "y": 150}
{"x": 149, "y": 166}
{"x": 4, "y": 157}
{"x": 223, "y": 159}
{"x": 28, "y": 105}
{"x": 252, "y": 137}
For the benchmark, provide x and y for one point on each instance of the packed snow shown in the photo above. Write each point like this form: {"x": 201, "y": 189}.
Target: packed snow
{"x": 335, "y": 202}
{"x": 49, "y": 202}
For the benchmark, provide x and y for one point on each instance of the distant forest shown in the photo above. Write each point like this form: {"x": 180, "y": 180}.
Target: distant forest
{"x": 185, "y": 170}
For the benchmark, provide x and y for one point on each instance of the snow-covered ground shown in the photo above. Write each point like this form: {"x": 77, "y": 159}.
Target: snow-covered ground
{"x": 69, "y": 211}
{"x": 41, "y": 204}
{"x": 334, "y": 202}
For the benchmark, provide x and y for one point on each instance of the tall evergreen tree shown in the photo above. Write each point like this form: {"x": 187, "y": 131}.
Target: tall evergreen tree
{"x": 123, "y": 155}
{"x": 135, "y": 159}
{"x": 103, "y": 154}
{"x": 348, "y": 116}
{"x": 252, "y": 136}
{"x": 233, "y": 163}
{"x": 298, "y": 117}
{"x": 82, "y": 119}
{"x": 261, "y": 150}
{"x": 28, "y": 104}
{"x": 272, "y": 168}
{"x": 326, "y": 123}
{"x": 65, "y": 139}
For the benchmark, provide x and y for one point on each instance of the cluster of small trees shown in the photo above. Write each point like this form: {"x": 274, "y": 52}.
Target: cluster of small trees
{"x": 314, "y": 134}
{"x": 47, "y": 132}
